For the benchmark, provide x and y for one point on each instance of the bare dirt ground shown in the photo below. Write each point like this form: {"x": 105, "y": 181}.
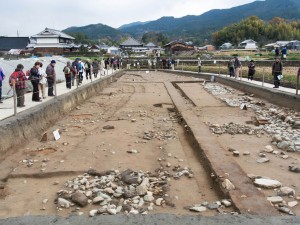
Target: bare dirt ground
{"x": 136, "y": 103}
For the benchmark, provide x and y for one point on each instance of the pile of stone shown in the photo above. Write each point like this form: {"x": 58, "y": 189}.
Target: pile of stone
{"x": 283, "y": 124}
{"x": 217, "y": 89}
{"x": 218, "y": 205}
{"x": 112, "y": 192}
{"x": 233, "y": 129}
{"x": 169, "y": 134}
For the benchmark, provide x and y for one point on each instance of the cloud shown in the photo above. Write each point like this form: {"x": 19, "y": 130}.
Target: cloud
{"x": 32, "y": 16}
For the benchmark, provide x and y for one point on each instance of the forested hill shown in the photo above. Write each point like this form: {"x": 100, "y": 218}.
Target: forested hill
{"x": 201, "y": 27}
{"x": 263, "y": 32}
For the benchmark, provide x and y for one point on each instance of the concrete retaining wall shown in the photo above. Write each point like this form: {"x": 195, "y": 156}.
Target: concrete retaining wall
{"x": 273, "y": 96}
{"x": 19, "y": 130}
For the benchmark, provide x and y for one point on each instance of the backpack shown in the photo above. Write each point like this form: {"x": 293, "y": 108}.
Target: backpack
{"x": 66, "y": 70}
{"x": 79, "y": 66}
{"x": 13, "y": 78}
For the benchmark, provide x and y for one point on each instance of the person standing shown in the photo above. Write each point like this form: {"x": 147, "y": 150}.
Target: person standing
{"x": 43, "y": 81}
{"x": 251, "y": 70}
{"x": 277, "y": 52}
{"x": 35, "y": 80}
{"x": 2, "y": 76}
{"x": 237, "y": 67}
{"x": 18, "y": 78}
{"x": 87, "y": 68}
{"x": 68, "y": 75}
{"x": 231, "y": 67}
{"x": 199, "y": 65}
{"x": 74, "y": 71}
{"x": 102, "y": 68}
{"x": 80, "y": 71}
{"x": 95, "y": 66}
{"x": 51, "y": 77}
{"x": 277, "y": 69}
{"x": 284, "y": 53}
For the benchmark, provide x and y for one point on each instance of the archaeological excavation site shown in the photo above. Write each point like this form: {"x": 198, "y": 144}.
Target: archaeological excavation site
{"x": 171, "y": 147}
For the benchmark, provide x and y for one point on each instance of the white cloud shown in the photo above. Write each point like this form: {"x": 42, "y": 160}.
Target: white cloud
{"x": 31, "y": 16}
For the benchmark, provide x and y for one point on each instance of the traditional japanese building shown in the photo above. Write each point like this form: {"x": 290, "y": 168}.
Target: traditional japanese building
{"x": 52, "y": 42}
{"x": 178, "y": 46}
{"x": 131, "y": 43}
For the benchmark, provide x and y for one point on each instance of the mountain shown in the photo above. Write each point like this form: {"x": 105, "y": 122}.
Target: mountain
{"x": 132, "y": 24}
{"x": 97, "y": 31}
{"x": 191, "y": 27}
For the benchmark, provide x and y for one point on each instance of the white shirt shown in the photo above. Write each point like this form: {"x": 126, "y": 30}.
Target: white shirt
{"x": 43, "y": 75}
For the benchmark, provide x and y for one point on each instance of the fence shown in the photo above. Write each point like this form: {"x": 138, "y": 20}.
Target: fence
{"x": 58, "y": 88}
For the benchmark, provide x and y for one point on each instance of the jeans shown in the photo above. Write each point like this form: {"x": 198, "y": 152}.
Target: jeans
{"x": 231, "y": 71}
{"x": 0, "y": 90}
{"x": 276, "y": 80}
{"x": 80, "y": 77}
{"x": 68, "y": 82}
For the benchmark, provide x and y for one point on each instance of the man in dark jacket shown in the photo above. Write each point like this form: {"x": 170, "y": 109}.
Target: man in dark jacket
{"x": 276, "y": 71}
{"x": 51, "y": 76}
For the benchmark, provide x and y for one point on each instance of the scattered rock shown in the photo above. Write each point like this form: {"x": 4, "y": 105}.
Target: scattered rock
{"x": 132, "y": 151}
{"x": 226, "y": 203}
{"x": 246, "y": 153}
{"x": 213, "y": 206}
{"x": 228, "y": 185}
{"x": 93, "y": 212}
{"x": 294, "y": 169}
{"x": 275, "y": 199}
{"x": 263, "y": 160}
{"x": 198, "y": 209}
{"x": 284, "y": 145}
{"x": 98, "y": 200}
{"x": 108, "y": 127}
{"x": 286, "y": 191}
{"x": 267, "y": 183}
{"x": 292, "y": 204}
{"x": 236, "y": 153}
{"x": 80, "y": 199}
{"x": 63, "y": 203}
{"x": 159, "y": 201}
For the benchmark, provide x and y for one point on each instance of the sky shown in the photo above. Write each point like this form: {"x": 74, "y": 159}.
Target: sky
{"x": 29, "y": 17}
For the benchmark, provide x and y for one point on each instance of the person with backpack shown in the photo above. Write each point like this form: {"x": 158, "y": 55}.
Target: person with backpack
{"x": 51, "y": 77}
{"x": 18, "y": 78}
{"x": 2, "y": 76}
{"x": 74, "y": 70}
{"x": 80, "y": 71}
{"x": 95, "y": 66}
{"x": 87, "y": 68}
{"x": 277, "y": 69}
{"x": 237, "y": 67}
{"x": 251, "y": 70}
{"x": 43, "y": 81}
{"x": 35, "y": 80}
{"x": 68, "y": 75}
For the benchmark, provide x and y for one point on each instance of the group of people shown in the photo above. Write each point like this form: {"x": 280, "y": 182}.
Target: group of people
{"x": 38, "y": 78}
{"x": 234, "y": 66}
{"x": 283, "y": 53}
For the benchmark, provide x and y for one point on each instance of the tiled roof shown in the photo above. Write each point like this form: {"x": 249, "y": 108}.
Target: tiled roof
{"x": 8, "y": 43}
{"x": 52, "y": 33}
{"x": 131, "y": 42}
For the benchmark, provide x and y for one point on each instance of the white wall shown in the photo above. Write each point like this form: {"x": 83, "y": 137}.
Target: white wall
{"x": 47, "y": 40}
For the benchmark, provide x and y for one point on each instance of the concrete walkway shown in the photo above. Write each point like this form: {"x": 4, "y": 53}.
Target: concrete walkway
{"x": 7, "y": 108}
{"x": 258, "y": 83}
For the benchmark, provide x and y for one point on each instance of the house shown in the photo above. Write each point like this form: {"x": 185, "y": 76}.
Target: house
{"x": 131, "y": 43}
{"x": 15, "y": 43}
{"x": 282, "y": 43}
{"x": 226, "y": 46}
{"x": 95, "y": 48}
{"x": 51, "y": 41}
{"x": 178, "y": 46}
{"x": 272, "y": 46}
{"x": 151, "y": 45}
{"x": 113, "y": 50}
{"x": 248, "y": 44}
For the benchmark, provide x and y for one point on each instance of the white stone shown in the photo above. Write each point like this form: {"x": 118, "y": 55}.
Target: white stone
{"x": 267, "y": 183}
{"x": 226, "y": 203}
{"x": 292, "y": 204}
{"x": 64, "y": 203}
{"x": 112, "y": 211}
{"x": 93, "y": 212}
{"x": 269, "y": 149}
{"x": 284, "y": 191}
{"x": 228, "y": 185}
{"x": 263, "y": 160}
{"x": 158, "y": 201}
{"x": 45, "y": 201}
{"x": 275, "y": 199}
{"x": 98, "y": 199}
{"x": 198, "y": 209}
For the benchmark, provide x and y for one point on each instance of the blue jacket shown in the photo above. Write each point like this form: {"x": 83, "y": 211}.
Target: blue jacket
{"x": 2, "y": 75}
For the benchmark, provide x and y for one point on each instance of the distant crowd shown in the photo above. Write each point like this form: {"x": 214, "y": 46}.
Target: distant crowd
{"x": 40, "y": 77}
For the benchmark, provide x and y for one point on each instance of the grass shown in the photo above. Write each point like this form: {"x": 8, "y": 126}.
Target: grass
{"x": 289, "y": 79}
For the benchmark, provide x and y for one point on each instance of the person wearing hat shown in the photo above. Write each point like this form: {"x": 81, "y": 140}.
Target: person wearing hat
{"x": 251, "y": 70}
{"x": 51, "y": 76}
